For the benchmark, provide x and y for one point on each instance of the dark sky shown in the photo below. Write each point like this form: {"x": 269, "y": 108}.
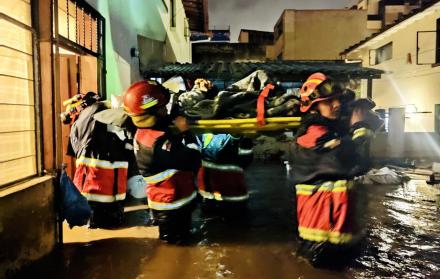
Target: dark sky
{"x": 261, "y": 14}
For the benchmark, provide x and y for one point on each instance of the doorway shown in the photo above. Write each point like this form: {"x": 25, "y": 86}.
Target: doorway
{"x": 78, "y": 74}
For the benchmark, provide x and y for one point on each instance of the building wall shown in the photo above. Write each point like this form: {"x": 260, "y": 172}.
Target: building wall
{"x": 197, "y": 13}
{"x": 405, "y": 82}
{"x": 256, "y": 37}
{"x": 414, "y": 145}
{"x": 27, "y": 218}
{"x": 227, "y": 52}
{"x": 275, "y": 51}
{"x": 373, "y": 7}
{"x": 27, "y": 224}
{"x": 243, "y": 37}
{"x": 126, "y": 21}
{"x": 392, "y": 12}
{"x": 321, "y": 34}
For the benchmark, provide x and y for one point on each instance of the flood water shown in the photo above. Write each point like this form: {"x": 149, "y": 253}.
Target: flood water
{"x": 403, "y": 241}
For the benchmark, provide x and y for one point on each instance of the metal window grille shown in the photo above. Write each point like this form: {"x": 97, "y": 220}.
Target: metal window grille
{"x": 82, "y": 25}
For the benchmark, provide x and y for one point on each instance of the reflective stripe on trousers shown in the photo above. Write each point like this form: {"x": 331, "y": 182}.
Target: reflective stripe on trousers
{"x": 103, "y": 164}
{"x": 103, "y": 198}
{"x": 327, "y": 212}
{"x": 160, "y": 177}
{"x": 172, "y": 205}
{"x": 217, "y": 196}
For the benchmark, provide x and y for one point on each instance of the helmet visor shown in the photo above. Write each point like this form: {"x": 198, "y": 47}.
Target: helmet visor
{"x": 328, "y": 89}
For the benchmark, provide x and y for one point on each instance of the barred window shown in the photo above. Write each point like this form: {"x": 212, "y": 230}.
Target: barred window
{"x": 78, "y": 23}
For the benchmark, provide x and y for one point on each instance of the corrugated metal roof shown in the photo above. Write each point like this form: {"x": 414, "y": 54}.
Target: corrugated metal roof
{"x": 279, "y": 70}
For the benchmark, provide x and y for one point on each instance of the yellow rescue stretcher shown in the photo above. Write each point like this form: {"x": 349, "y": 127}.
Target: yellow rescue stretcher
{"x": 245, "y": 126}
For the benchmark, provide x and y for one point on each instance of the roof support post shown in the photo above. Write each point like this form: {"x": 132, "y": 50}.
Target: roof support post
{"x": 370, "y": 88}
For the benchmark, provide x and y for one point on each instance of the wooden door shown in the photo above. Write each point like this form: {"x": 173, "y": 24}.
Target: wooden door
{"x": 68, "y": 89}
{"x": 88, "y": 74}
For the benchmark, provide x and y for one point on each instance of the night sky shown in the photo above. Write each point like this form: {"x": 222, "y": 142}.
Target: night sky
{"x": 261, "y": 14}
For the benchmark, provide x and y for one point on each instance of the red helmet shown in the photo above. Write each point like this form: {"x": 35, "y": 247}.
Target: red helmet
{"x": 142, "y": 96}
{"x": 318, "y": 87}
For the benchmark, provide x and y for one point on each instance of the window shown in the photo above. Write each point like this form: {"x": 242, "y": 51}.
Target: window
{"x": 384, "y": 53}
{"x": 18, "y": 159}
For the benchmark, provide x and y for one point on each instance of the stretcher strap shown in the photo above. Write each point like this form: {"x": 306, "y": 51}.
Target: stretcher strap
{"x": 260, "y": 104}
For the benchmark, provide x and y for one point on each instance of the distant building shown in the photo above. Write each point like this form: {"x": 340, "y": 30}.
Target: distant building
{"x": 198, "y": 18}
{"x": 255, "y": 37}
{"x": 211, "y": 52}
{"x": 220, "y": 33}
{"x": 317, "y": 34}
{"x": 384, "y": 12}
{"x": 197, "y": 13}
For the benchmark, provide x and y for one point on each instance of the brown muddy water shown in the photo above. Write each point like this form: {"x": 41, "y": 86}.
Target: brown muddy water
{"x": 403, "y": 241}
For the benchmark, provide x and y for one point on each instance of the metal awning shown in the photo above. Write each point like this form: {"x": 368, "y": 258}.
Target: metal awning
{"x": 279, "y": 70}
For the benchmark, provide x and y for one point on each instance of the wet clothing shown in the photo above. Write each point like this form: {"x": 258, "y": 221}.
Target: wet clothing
{"x": 102, "y": 165}
{"x": 221, "y": 177}
{"x": 326, "y": 157}
{"x": 168, "y": 163}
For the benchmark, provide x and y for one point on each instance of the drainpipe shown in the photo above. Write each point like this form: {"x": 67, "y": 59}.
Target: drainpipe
{"x": 58, "y": 155}
{"x": 56, "y": 90}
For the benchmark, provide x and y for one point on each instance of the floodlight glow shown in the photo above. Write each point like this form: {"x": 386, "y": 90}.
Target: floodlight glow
{"x": 433, "y": 144}
{"x": 410, "y": 109}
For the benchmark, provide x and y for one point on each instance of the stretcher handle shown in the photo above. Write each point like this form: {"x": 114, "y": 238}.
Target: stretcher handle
{"x": 260, "y": 104}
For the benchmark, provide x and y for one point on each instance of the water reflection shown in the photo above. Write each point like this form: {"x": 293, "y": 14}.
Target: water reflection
{"x": 403, "y": 240}
{"x": 404, "y": 237}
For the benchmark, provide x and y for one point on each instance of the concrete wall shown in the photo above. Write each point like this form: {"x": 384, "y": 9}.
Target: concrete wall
{"x": 243, "y": 37}
{"x": 274, "y": 51}
{"x": 415, "y": 145}
{"x": 321, "y": 34}
{"x": 126, "y": 21}
{"x": 27, "y": 224}
{"x": 230, "y": 52}
{"x": 406, "y": 82}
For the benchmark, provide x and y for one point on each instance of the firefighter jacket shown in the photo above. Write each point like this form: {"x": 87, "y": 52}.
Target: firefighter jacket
{"x": 101, "y": 158}
{"x": 221, "y": 176}
{"x": 325, "y": 157}
{"x": 168, "y": 163}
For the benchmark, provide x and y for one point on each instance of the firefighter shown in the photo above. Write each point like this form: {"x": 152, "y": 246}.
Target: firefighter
{"x": 103, "y": 162}
{"x": 221, "y": 178}
{"x": 326, "y": 155}
{"x": 167, "y": 161}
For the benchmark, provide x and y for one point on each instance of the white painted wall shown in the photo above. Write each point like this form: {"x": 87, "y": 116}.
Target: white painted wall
{"x": 125, "y": 20}
{"x": 407, "y": 83}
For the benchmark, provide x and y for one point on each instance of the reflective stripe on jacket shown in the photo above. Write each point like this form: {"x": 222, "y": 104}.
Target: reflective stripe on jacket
{"x": 101, "y": 180}
{"x": 170, "y": 189}
{"x": 327, "y": 212}
{"x": 222, "y": 182}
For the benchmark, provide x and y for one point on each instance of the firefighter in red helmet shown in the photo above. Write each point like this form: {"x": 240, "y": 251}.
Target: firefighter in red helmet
{"x": 326, "y": 156}
{"x": 167, "y": 161}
